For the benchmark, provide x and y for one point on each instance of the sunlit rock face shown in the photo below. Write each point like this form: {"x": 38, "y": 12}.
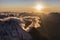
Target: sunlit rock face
{"x": 26, "y": 21}
{"x": 11, "y": 30}
{"x": 30, "y": 21}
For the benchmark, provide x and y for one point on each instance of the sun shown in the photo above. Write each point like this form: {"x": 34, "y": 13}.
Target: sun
{"x": 38, "y": 7}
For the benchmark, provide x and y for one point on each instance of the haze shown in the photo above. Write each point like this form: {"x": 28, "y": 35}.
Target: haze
{"x": 27, "y": 5}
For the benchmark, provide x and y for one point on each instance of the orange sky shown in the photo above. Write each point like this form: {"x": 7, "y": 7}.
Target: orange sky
{"x": 27, "y": 5}
{"x": 30, "y": 9}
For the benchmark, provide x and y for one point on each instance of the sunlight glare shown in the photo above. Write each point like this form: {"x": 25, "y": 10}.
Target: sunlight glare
{"x": 38, "y": 7}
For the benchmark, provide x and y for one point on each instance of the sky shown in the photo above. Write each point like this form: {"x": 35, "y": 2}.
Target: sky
{"x": 23, "y": 5}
